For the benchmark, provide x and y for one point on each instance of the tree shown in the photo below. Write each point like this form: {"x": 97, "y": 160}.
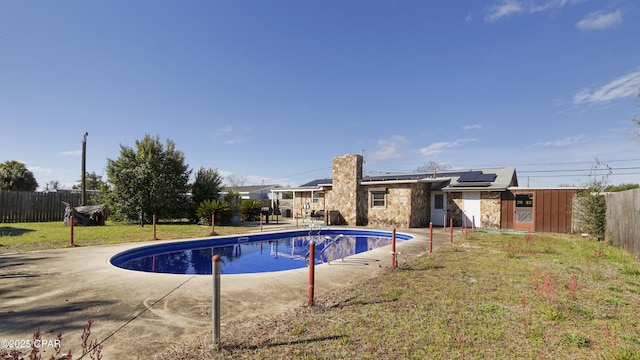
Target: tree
{"x": 207, "y": 185}
{"x": 432, "y": 166}
{"x": 52, "y": 185}
{"x": 93, "y": 181}
{"x": 15, "y": 176}
{"x": 151, "y": 179}
{"x": 592, "y": 208}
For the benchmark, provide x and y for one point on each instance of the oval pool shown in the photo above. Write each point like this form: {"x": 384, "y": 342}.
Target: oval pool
{"x": 263, "y": 252}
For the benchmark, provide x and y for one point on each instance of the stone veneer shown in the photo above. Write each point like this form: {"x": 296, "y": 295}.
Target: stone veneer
{"x": 345, "y": 195}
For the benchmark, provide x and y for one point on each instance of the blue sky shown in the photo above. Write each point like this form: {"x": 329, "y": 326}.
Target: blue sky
{"x": 270, "y": 91}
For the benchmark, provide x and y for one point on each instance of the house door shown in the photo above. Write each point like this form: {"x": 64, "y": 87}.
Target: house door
{"x": 471, "y": 208}
{"x": 524, "y": 212}
{"x": 438, "y": 208}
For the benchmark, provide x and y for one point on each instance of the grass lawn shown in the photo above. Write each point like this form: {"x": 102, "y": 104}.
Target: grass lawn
{"x": 488, "y": 296}
{"x": 19, "y": 237}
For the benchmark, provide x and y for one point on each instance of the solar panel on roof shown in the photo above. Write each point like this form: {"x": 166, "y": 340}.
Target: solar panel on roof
{"x": 486, "y": 177}
{"x": 476, "y": 176}
{"x": 469, "y": 176}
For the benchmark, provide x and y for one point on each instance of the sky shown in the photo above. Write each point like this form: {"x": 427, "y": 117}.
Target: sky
{"x": 269, "y": 92}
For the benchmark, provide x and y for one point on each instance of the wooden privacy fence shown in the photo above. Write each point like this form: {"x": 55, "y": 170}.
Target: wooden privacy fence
{"x": 21, "y": 206}
{"x": 623, "y": 220}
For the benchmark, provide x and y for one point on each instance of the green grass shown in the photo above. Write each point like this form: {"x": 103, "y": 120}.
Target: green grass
{"x": 20, "y": 237}
{"x": 487, "y": 296}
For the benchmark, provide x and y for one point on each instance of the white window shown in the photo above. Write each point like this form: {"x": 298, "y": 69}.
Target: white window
{"x": 378, "y": 197}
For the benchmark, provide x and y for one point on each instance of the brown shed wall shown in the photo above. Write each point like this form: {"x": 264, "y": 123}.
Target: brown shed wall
{"x": 552, "y": 209}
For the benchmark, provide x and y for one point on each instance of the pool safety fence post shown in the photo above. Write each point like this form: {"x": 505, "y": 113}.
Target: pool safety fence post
{"x": 154, "y": 227}
{"x": 451, "y": 231}
{"x": 430, "y": 237}
{"x": 473, "y": 223}
{"x": 213, "y": 223}
{"x": 394, "y": 255}
{"x": 312, "y": 264}
{"x": 215, "y": 309}
{"x": 71, "y": 227}
{"x": 445, "y": 221}
{"x": 260, "y": 222}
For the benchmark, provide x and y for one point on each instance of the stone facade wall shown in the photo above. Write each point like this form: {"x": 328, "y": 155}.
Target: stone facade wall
{"x": 420, "y": 205}
{"x": 398, "y": 210}
{"x": 303, "y": 204}
{"x": 490, "y": 210}
{"x": 345, "y": 195}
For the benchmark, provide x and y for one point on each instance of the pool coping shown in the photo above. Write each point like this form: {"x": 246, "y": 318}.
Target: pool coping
{"x": 139, "y": 314}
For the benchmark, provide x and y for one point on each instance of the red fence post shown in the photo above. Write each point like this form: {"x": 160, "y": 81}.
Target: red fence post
{"x": 154, "y": 227}
{"x": 473, "y": 223}
{"x": 213, "y": 224}
{"x": 71, "y": 226}
{"x": 430, "y": 237}
{"x": 394, "y": 255}
{"x": 312, "y": 263}
{"x": 451, "y": 231}
{"x": 261, "y": 222}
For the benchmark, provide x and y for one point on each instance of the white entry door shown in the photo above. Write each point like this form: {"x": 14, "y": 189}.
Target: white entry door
{"x": 471, "y": 208}
{"x": 438, "y": 208}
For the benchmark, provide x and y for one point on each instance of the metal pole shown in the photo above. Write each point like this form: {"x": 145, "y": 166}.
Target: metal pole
{"x": 215, "y": 309}
{"x": 312, "y": 263}
{"x": 260, "y": 222}
{"x": 430, "y": 237}
{"x": 154, "y": 227}
{"x": 213, "y": 226}
{"x": 394, "y": 257}
{"x": 84, "y": 169}
{"x": 451, "y": 231}
{"x": 71, "y": 225}
{"x": 473, "y": 223}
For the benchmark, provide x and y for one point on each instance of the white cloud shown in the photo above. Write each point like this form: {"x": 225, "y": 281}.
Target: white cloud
{"x": 388, "y": 149}
{"x": 222, "y": 131}
{"x": 506, "y": 8}
{"x": 624, "y": 86}
{"x": 39, "y": 170}
{"x": 599, "y": 21}
{"x": 70, "y": 153}
{"x": 472, "y": 127}
{"x": 439, "y": 147}
{"x": 511, "y": 7}
{"x": 225, "y": 135}
{"x": 563, "y": 142}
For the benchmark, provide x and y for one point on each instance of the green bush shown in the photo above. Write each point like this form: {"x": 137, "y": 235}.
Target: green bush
{"x": 250, "y": 209}
{"x": 221, "y": 209}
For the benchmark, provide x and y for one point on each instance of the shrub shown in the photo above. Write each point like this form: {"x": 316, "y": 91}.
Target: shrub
{"x": 250, "y": 209}
{"x": 221, "y": 209}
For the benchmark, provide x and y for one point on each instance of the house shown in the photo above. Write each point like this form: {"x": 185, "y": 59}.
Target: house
{"x": 486, "y": 198}
{"x": 253, "y": 192}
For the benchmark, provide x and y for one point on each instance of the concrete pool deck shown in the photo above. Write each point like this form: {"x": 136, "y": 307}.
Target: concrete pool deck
{"x": 138, "y": 315}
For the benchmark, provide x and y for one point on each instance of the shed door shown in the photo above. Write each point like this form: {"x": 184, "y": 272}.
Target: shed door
{"x": 438, "y": 208}
{"x": 471, "y": 208}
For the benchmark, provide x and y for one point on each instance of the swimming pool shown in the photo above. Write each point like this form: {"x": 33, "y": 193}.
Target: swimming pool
{"x": 264, "y": 252}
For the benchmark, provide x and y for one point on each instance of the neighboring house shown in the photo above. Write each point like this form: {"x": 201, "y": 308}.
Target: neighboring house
{"x": 486, "y": 198}
{"x": 254, "y": 192}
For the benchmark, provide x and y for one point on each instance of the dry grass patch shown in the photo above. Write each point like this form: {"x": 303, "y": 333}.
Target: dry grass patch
{"x": 487, "y": 296}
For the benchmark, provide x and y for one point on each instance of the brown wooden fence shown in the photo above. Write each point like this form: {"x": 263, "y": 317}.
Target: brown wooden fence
{"x": 20, "y": 206}
{"x": 623, "y": 220}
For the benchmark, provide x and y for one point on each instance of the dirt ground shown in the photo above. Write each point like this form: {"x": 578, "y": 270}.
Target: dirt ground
{"x": 137, "y": 314}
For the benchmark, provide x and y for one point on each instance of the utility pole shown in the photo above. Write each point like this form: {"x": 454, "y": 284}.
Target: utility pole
{"x": 84, "y": 169}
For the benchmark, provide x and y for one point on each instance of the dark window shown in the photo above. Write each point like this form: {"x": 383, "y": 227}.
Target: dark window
{"x": 378, "y": 199}
{"x": 524, "y": 207}
{"x": 438, "y": 200}
{"x": 524, "y": 200}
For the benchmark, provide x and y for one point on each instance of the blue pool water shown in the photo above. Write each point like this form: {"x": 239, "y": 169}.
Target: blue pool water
{"x": 264, "y": 252}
